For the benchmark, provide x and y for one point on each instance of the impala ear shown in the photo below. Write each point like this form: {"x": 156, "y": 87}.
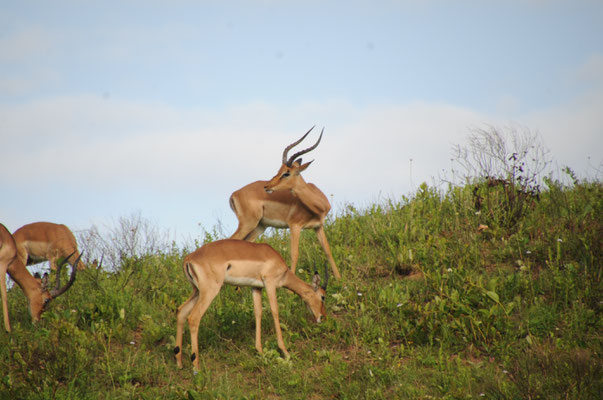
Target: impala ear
{"x": 315, "y": 281}
{"x": 304, "y": 166}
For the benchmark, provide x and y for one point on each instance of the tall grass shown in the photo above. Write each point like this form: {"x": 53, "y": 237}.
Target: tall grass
{"x": 429, "y": 306}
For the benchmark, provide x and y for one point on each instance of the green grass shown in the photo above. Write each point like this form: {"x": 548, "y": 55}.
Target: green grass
{"x": 428, "y": 307}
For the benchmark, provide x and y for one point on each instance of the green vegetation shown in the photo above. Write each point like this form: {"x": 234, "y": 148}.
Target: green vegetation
{"x": 429, "y": 307}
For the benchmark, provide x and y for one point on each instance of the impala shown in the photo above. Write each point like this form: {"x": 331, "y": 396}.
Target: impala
{"x": 284, "y": 201}
{"x": 35, "y": 288}
{"x": 241, "y": 263}
{"x": 45, "y": 241}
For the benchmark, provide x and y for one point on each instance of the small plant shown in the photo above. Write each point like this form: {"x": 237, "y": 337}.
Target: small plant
{"x": 506, "y": 167}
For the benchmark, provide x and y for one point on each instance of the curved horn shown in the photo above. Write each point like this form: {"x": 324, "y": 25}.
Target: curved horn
{"x": 292, "y": 145}
{"x": 326, "y": 278}
{"x": 59, "y": 267}
{"x": 300, "y": 153}
{"x": 56, "y": 292}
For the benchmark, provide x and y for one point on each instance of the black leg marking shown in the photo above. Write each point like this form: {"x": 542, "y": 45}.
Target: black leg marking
{"x": 193, "y": 356}
{"x": 176, "y": 349}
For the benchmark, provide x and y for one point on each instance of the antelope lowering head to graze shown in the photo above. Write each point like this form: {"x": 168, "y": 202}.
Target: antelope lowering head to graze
{"x": 241, "y": 263}
{"x": 284, "y": 201}
{"x": 45, "y": 241}
{"x": 35, "y": 288}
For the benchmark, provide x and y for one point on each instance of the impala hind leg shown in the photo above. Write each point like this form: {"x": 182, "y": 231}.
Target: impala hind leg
{"x": 249, "y": 220}
{"x": 253, "y": 235}
{"x": 183, "y": 311}
{"x": 248, "y": 232}
{"x": 194, "y": 318}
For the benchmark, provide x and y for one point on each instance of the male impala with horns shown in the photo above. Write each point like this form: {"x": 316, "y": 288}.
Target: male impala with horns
{"x": 286, "y": 200}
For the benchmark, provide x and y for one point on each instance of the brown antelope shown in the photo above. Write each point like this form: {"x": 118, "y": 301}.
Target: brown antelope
{"x": 35, "y": 288}
{"x": 284, "y": 201}
{"x": 45, "y": 241}
{"x": 241, "y": 263}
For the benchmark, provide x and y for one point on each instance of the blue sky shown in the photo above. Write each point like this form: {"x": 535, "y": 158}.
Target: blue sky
{"x": 164, "y": 108}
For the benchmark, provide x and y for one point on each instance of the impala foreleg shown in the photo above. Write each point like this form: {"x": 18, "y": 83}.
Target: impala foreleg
{"x": 295, "y": 234}
{"x": 271, "y": 293}
{"x": 4, "y": 300}
{"x": 322, "y": 238}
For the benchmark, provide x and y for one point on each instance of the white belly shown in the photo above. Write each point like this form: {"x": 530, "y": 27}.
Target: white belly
{"x": 243, "y": 281}
{"x": 275, "y": 223}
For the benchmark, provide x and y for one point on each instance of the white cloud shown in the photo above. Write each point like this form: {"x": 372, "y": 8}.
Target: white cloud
{"x": 365, "y": 150}
{"x": 181, "y": 164}
{"x": 113, "y": 143}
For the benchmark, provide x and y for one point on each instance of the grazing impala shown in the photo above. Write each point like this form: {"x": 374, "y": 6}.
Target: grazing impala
{"x": 284, "y": 201}
{"x": 35, "y": 288}
{"x": 45, "y": 241}
{"x": 241, "y": 263}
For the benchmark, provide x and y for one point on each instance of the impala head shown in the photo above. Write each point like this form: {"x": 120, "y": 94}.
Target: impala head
{"x": 292, "y": 167}
{"x": 38, "y": 304}
{"x": 317, "y": 303}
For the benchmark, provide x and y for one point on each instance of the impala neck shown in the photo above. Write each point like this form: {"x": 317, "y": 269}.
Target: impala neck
{"x": 297, "y": 285}
{"x": 30, "y": 285}
{"x": 311, "y": 197}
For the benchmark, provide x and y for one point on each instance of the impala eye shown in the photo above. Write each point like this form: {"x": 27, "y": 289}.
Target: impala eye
{"x": 286, "y": 174}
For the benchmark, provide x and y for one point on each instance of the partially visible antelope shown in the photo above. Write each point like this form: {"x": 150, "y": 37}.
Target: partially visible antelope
{"x": 45, "y": 241}
{"x": 284, "y": 201}
{"x": 36, "y": 289}
{"x": 241, "y": 263}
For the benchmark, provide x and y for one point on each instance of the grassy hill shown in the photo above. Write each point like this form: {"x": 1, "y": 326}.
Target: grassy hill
{"x": 465, "y": 293}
